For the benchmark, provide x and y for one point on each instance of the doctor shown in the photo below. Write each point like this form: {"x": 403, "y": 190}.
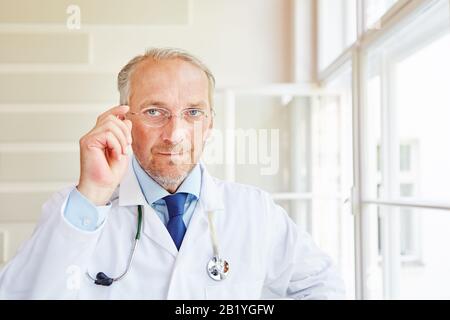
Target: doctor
{"x": 155, "y": 224}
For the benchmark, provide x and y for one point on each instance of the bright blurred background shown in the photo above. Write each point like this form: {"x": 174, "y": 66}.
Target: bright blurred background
{"x": 338, "y": 108}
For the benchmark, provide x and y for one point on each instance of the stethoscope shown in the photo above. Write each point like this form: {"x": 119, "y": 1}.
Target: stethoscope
{"x": 217, "y": 268}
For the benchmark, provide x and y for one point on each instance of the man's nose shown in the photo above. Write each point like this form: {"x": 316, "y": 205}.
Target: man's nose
{"x": 175, "y": 130}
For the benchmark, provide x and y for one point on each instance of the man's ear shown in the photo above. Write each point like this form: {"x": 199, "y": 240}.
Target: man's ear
{"x": 213, "y": 115}
{"x": 211, "y": 124}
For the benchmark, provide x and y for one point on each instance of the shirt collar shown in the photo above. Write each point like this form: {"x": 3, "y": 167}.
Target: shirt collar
{"x": 153, "y": 191}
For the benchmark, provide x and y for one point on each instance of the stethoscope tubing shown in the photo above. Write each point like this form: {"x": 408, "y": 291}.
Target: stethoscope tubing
{"x": 213, "y": 264}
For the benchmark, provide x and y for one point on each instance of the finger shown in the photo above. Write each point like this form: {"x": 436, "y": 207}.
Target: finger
{"x": 118, "y": 111}
{"x": 113, "y": 144}
{"x": 112, "y": 127}
{"x": 118, "y": 133}
{"x": 123, "y": 126}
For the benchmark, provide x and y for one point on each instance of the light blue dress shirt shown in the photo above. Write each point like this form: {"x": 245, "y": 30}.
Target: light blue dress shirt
{"x": 84, "y": 215}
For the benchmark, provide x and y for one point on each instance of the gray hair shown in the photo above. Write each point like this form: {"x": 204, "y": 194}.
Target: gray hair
{"x": 124, "y": 76}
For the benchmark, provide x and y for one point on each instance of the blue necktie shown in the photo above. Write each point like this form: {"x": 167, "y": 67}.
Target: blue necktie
{"x": 175, "y": 226}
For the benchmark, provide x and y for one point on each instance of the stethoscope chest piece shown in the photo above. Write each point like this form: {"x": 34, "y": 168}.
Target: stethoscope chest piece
{"x": 218, "y": 268}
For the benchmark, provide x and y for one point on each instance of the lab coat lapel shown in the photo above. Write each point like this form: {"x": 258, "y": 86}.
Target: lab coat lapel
{"x": 155, "y": 229}
{"x": 130, "y": 194}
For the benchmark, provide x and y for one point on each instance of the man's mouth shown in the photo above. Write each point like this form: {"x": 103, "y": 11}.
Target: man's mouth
{"x": 170, "y": 153}
{"x": 177, "y": 152}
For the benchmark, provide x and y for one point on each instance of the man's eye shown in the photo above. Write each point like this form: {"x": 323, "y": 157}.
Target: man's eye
{"x": 153, "y": 112}
{"x": 194, "y": 113}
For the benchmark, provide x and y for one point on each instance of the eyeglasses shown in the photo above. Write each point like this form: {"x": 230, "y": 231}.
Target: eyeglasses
{"x": 159, "y": 117}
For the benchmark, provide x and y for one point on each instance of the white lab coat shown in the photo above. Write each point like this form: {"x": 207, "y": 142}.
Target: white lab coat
{"x": 269, "y": 256}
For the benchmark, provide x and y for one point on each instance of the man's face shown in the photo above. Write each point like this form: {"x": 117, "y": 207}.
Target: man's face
{"x": 172, "y": 150}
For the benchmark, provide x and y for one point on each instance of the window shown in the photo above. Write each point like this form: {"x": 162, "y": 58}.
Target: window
{"x": 399, "y": 52}
{"x": 405, "y": 115}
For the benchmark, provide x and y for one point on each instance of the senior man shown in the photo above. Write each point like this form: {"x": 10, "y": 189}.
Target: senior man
{"x": 155, "y": 224}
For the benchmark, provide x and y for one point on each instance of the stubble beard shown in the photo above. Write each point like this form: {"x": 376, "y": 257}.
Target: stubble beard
{"x": 168, "y": 183}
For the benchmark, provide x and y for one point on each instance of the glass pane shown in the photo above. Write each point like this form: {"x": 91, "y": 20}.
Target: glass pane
{"x": 341, "y": 84}
{"x": 407, "y": 110}
{"x": 375, "y": 9}
{"x": 423, "y": 104}
{"x": 409, "y": 262}
{"x": 263, "y": 142}
{"x": 371, "y": 153}
{"x": 337, "y": 28}
{"x": 326, "y": 142}
{"x": 332, "y": 221}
